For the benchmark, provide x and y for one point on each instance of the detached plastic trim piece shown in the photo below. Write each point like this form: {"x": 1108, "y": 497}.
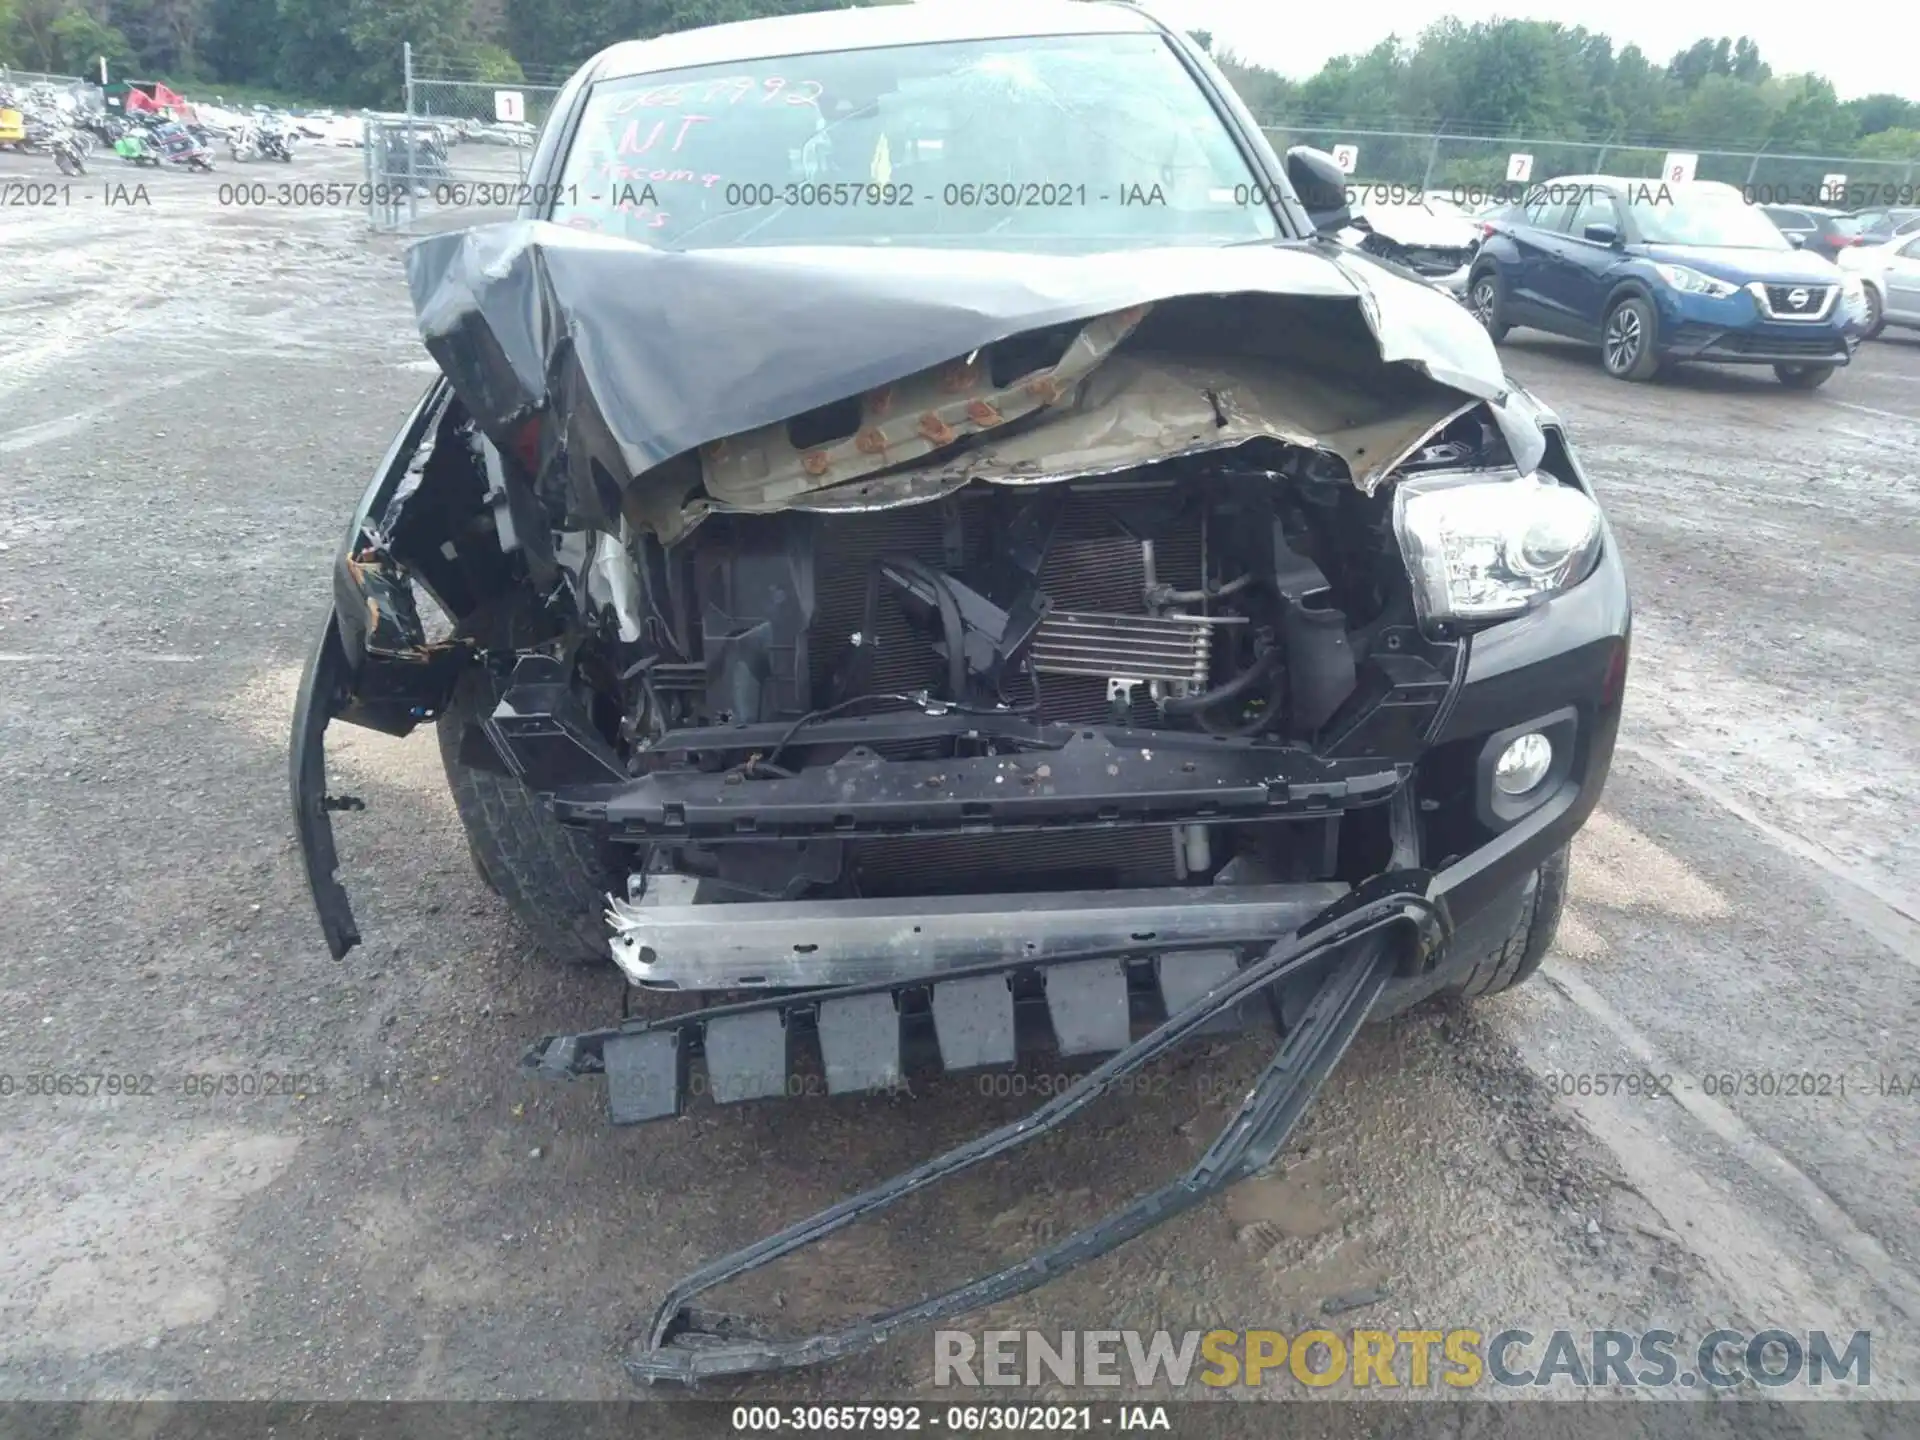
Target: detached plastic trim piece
{"x": 685, "y": 1345}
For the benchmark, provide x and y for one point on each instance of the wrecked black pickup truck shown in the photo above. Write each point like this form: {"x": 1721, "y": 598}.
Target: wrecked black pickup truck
{"x": 924, "y": 546}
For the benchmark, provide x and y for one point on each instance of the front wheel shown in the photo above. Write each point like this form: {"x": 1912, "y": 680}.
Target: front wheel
{"x": 554, "y": 879}
{"x": 1876, "y": 314}
{"x": 1626, "y": 341}
{"x": 1804, "y": 377}
{"x": 1517, "y": 957}
{"x": 1485, "y": 300}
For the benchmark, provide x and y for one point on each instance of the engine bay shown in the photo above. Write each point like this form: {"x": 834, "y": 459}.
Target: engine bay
{"x": 1167, "y": 676}
{"x": 1162, "y": 600}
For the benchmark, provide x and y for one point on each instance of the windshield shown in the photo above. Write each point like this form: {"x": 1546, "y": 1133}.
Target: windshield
{"x": 1675, "y": 215}
{"x": 1074, "y": 143}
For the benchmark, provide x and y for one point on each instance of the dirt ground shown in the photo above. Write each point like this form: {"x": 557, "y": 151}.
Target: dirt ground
{"x": 192, "y": 396}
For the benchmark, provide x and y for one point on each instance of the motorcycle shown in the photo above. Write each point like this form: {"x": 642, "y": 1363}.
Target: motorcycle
{"x": 425, "y": 166}
{"x": 254, "y": 140}
{"x": 180, "y": 146}
{"x": 244, "y": 143}
{"x": 69, "y": 152}
{"x": 135, "y": 146}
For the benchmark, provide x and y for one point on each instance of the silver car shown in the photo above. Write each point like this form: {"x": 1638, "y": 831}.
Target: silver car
{"x": 1889, "y": 274}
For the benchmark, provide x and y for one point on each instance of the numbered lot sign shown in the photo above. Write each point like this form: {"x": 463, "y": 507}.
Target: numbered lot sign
{"x": 1833, "y": 189}
{"x": 1519, "y": 169}
{"x": 1347, "y": 157}
{"x": 509, "y": 106}
{"x": 1678, "y": 167}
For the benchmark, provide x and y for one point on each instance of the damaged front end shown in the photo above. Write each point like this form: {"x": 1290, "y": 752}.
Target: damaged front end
{"x": 954, "y": 655}
{"x": 1426, "y": 237}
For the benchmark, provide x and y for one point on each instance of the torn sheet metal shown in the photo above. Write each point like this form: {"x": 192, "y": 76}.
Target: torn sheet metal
{"x": 1136, "y": 409}
{"x": 636, "y": 356}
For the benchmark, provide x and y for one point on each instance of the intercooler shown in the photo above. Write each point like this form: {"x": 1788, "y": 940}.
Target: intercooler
{"x": 1096, "y": 576}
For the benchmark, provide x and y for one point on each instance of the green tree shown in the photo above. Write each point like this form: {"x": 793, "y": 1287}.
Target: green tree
{"x": 1893, "y": 143}
{"x": 1811, "y": 119}
{"x": 1874, "y": 113}
{"x": 167, "y": 36}
{"x": 79, "y": 40}
{"x": 244, "y": 40}
{"x": 377, "y": 30}
{"x": 33, "y": 45}
{"x": 1724, "y": 111}
{"x": 313, "y": 54}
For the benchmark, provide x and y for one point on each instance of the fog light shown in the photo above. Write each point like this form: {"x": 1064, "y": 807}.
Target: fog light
{"x": 1523, "y": 764}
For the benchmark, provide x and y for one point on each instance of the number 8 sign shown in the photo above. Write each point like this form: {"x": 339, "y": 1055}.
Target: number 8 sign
{"x": 1678, "y": 167}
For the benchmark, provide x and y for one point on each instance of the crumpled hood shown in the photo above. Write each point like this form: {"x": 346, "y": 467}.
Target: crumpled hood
{"x": 644, "y": 354}
{"x": 1419, "y": 227}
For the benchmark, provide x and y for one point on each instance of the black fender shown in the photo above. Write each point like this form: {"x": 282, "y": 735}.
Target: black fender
{"x": 1631, "y": 285}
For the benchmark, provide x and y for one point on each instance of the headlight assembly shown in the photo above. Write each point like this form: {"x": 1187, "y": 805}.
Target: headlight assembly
{"x": 1480, "y": 549}
{"x": 1683, "y": 277}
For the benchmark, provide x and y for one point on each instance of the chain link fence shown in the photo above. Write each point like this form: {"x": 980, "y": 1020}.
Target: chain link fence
{"x": 11, "y": 79}
{"x": 460, "y": 146}
{"x": 76, "y": 90}
{"x": 1471, "y": 168}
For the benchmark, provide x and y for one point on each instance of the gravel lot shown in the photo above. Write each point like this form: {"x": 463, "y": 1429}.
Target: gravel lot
{"x": 191, "y": 399}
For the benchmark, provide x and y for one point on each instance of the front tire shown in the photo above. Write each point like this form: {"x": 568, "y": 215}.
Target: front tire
{"x": 1804, "y": 377}
{"x": 554, "y": 880}
{"x": 1876, "y": 314}
{"x": 1485, "y": 298}
{"x": 1627, "y": 341}
{"x": 1515, "y": 959}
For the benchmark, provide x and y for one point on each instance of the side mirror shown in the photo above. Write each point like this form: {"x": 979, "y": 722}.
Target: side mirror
{"x": 1796, "y": 241}
{"x": 1602, "y": 234}
{"x": 1321, "y": 184}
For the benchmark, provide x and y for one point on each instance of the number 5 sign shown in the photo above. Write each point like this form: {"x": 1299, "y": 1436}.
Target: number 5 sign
{"x": 1347, "y": 157}
{"x": 1678, "y": 167}
{"x": 509, "y": 106}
